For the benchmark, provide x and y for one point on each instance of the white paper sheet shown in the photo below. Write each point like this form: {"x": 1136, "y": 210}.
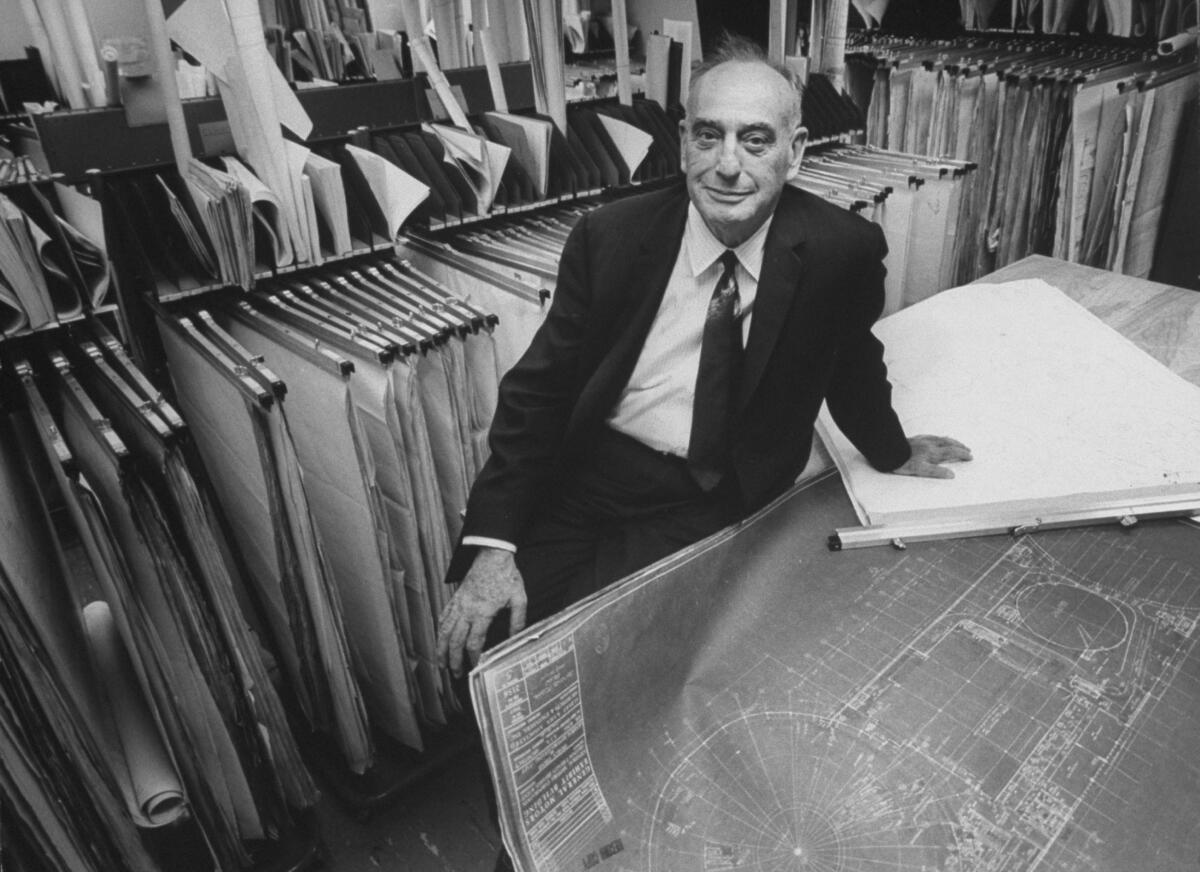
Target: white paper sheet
{"x": 329, "y": 199}
{"x": 157, "y": 794}
{"x": 1060, "y": 411}
{"x": 83, "y": 212}
{"x": 266, "y": 211}
{"x": 398, "y": 193}
{"x": 529, "y": 139}
{"x": 480, "y": 161}
{"x": 632, "y": 144}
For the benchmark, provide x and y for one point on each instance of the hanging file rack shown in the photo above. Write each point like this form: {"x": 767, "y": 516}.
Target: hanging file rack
{"x": 37, "y": 193}
{"x": 345, "y": 305}
{"x": 983, "y": 95}
{"x": 324, "y": 318}
{"x": 91, "y": 369}
{"x": 75, "y": 142}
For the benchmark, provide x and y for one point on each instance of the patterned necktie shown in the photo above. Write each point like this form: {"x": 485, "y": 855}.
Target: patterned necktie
{"x": 716, "y": 379}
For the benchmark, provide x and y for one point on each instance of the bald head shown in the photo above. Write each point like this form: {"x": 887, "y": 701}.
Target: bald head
{"x": 734, "y": 49}
{"x": 763, "y": 74}
{"x": 741, "y": 142}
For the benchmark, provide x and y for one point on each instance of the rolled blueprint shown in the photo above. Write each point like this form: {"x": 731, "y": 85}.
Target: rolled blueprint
{"x": 156, "y": 795}
{"x": 70, "y": 79}
{"x": 1178, "y": 42}
{"x": 85, "y": 51}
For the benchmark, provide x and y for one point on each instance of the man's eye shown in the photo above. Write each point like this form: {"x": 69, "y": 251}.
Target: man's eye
{"x": 756, "y": 143}
{"x": 705, "y": 137}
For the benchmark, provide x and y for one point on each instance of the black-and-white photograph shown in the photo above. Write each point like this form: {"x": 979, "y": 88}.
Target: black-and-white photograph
{"x": 600, "y": 436}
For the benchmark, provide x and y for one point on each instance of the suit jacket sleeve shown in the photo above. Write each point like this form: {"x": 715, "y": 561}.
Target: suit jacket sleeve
{"x": 535, "y": 403}
{"x": 859, "y": 394}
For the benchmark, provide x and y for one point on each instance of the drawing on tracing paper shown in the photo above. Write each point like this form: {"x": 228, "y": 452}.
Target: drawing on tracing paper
{"x": 996, "y": 735}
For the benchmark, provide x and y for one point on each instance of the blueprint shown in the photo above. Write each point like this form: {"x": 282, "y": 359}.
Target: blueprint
{"x": 759, "y": 703}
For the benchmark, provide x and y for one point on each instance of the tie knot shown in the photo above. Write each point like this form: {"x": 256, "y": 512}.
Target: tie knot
{"x": 729, "y": 260}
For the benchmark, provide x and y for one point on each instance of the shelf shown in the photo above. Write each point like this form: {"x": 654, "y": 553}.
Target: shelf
{"x": 174, "y": 296}
{"x": 78, "y": 142}
{"x": 266, "y": 274}
{"x": 37, "y": 177}
{"x": 504, "y": 211}
{"x": 107, "y": 308}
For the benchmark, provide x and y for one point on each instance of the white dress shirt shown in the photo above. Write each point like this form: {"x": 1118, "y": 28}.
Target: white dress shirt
{"x": 656, "y": 405}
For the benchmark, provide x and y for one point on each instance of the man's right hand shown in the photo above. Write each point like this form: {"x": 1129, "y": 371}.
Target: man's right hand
{"x": 492, "y": 583}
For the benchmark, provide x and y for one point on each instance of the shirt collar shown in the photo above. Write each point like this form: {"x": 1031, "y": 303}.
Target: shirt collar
{"x": 704, "y": 249}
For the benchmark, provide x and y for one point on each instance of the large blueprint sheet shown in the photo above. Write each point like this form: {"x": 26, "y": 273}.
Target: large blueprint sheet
{"x": 760, "y": 703}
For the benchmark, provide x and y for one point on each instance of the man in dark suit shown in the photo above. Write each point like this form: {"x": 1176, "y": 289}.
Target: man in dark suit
{"x": 636, "y": 424}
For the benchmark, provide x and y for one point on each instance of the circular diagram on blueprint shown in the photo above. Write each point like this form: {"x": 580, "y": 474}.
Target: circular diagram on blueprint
{"x": 1072, "y": 617}
{"x": 789, "y": 792}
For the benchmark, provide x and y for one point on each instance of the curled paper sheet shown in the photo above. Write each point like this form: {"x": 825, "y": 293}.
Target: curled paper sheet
{"x": 398, "y": 193}
{"x": 82, "y": 224}
{"x": 153, "y": 791}
{"x": 92, "y": 261}
{"x": 480, "y": 160}
{"x": 62, "y": 294}
{"x": 267, "y": 212}
{"x": 633, "y": 144}
{"x": 872, "y": 11}
{"x": 12, "y": 314}
{"x": 19, "y": 265}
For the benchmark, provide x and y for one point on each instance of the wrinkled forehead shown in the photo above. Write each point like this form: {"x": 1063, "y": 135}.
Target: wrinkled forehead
{"x": 744, "y": 91}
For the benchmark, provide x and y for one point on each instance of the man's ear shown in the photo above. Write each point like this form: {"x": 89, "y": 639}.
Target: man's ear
{"x": 683, "y": 144}
{"x": 799, "y": 140}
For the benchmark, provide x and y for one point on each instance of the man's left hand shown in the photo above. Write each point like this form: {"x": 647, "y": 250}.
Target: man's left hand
{"x": 928, "y": 455}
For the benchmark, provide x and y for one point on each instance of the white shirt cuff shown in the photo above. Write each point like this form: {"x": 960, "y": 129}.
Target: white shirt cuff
{"x": 485, "y": 542}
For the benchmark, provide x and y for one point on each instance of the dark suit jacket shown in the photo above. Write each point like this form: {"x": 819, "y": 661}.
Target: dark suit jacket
{"x": 819, "y": 292}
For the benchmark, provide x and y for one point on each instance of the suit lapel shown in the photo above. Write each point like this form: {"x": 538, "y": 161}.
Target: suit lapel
{"x": 635, "y": 307}
{"x": 778, "y": 285}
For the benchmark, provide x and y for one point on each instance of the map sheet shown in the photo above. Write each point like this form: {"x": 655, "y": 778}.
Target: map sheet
{"x": 1060, "y": 411}
{"x": 757, "y": 702}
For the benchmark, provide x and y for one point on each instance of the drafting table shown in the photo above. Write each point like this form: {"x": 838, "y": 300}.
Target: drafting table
{"x": 1070, "y": 422}
{"x": 759, "y": 702}
{"x": 1164, "y": 321}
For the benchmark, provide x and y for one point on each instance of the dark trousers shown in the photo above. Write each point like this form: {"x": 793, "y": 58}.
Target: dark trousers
{"x": 625, "y": 507}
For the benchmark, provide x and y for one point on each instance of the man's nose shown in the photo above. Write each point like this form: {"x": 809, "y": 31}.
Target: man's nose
{"x": 729, "y": 164}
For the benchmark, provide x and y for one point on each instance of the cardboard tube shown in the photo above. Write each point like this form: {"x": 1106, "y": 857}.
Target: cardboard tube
{"x": 70, "y": 80}
{"x": 447, "y": 20}
{"x": 481, "y": 23}
{"x": 620, "y": 35}
{"x": 550, "y": 25}
{"x": 85, "y": 51}
{"x": 1178, "y": 42}
{"x": 164, "y": 69}
{"x": 833, "y": 54}
{"x": 776, "y": 25}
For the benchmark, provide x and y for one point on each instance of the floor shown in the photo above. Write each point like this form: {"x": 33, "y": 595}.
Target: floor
{"x": 442, "y": 824}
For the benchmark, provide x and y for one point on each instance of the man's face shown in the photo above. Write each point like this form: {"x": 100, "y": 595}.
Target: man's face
{"x": 741, "y": 143}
